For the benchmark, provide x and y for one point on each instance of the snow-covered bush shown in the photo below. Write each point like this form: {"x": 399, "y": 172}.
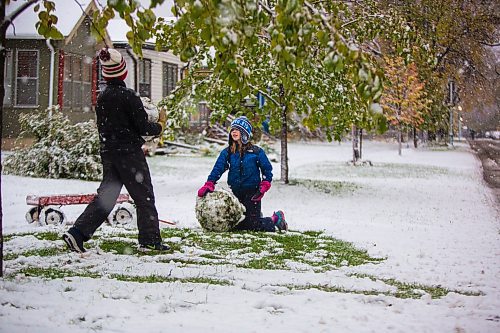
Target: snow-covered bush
{"x": 178, "y": 114}
{"x": 60, "y": 149}
{"x": 219, "y": 211}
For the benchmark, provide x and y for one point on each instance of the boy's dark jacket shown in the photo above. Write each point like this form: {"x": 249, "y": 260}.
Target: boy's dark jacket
{"x": 244, "y": 172}
{"x": 121, "y": 118}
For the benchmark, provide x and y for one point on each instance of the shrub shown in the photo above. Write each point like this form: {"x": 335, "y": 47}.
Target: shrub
{"x": 60, "y": 149}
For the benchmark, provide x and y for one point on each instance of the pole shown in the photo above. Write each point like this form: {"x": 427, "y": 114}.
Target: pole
{"x": 459, "y": 127}
{"x": 450, "y": 90}
{"x": 451, "y": 125}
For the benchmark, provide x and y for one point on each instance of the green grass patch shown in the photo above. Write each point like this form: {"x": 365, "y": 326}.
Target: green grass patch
{"x": 55, "y": 273}
{"x": 415, "y": 290}
{"x": 259, "y": 250}
{"x": 117, "y": 246}
{"x": 185, "y": 262}
{"x": 42, "y": 252}
{"x": 332, "y": 289}
{"x": 327, "y": 186}
{"x": 162, "y": 279}
{"x": 309, "y": 250}
{"x": 378, "y": 170}
{"x": 404, "y": 290}
{"x": 255, "y": 250}
{"x": 46, "y": 235}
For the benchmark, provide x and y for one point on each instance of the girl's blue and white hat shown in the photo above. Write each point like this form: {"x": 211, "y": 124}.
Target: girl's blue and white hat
{"x": 243, "y": 125}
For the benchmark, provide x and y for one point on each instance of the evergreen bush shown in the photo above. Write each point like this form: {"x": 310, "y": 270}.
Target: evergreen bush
{"x": 60, "y": 149}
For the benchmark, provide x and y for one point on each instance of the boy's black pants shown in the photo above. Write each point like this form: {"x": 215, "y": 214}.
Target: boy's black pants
{"x": 253, "y": 220}
{"x": 130, "y": 169}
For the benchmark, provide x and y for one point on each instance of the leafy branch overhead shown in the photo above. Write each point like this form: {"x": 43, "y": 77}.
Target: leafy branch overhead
{"x": 253, "y": 46}
{"x": 320, "y": 61}
{"x": 314, "y": 59}
{"x": 46, "y": 26}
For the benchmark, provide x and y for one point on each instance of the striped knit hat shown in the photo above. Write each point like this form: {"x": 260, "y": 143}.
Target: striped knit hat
{"x": 243, "y": 125}
{"x": 112, "y": 64}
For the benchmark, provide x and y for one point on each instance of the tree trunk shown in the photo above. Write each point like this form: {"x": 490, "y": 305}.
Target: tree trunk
{"x": 399, "y": 140}
{"x": 284, "y": 145}
{"x": 355, "y": 150}
{"x": 3, "y": 31}
{"x": 360, "y": 143}
{"x": 4, "y": 24}
{"x": 415, "y": 140}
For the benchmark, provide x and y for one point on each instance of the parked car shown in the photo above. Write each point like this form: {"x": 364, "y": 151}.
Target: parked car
{"x": 492, "y": 135}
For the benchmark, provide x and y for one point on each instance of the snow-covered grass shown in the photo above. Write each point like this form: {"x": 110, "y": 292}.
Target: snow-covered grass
{"x": 410, "y": 244}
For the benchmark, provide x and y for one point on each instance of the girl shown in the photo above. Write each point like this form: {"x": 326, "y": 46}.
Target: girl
{"x": 246, "y": 162}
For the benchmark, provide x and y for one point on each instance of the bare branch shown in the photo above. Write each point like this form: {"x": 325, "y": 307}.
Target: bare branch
{"x": 265, "y": 94}
{"x": 265, "y": 37}
{"x": 372, "y": 49}
{"x": 10, "y": 18}
{"x": 490, "y": 44}
{"x": 92, "y": 22}
{"x": 266, "y": 8}
{"x": 362, "y": 18}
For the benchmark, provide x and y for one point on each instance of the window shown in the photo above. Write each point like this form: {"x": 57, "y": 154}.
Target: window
{"x": 169, "y": 78}
{"x": 77, "y": 92}
{"x": 145, "y": 78}
{"x": 7, "y": 81}
{"x": 27, "y": 78}
{"x": 202, "y": 117}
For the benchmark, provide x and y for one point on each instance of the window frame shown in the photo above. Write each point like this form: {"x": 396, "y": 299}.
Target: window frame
{"x": 8, "y": 79}
{"x": 142, "y": 71}
{"x": 37, "y": 89}
{"x": 76, "y": 80}
{"x": 166, "y": 90}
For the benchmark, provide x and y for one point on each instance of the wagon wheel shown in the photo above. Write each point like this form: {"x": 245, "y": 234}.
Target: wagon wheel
{"x": 52, "y": 216}
{"x": 32, "y": 215}
{"x": 122, "y": 216}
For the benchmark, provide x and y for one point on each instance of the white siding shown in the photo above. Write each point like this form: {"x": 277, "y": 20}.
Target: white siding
{"x": 157, "y": 59}
{"x": 129, "y": 81}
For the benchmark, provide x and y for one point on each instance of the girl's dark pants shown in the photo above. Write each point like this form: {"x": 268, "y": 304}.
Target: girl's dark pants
{"x": 253, "y": 220}
{"x": 120, "y": 168}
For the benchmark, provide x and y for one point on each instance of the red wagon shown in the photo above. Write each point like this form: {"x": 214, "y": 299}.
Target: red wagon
{"x": 44, "y": 211}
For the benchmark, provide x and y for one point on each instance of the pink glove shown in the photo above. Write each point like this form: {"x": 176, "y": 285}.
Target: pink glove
{"x": 207, "y": 187}
{"x": 264, "y": 186}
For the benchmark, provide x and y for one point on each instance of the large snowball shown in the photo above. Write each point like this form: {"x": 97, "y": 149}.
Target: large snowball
{"x": 151, "y": 109}
{"x": 219, "y": 211}
{"x": 153, "y": 113}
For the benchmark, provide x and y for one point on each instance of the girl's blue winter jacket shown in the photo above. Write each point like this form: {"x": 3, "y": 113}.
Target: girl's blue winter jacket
{"x": 244, "y": 173}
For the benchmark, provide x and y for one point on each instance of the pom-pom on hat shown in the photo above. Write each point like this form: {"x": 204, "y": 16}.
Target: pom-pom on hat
{"x": 243, "y": 125}
{"x": 112, "y": 64}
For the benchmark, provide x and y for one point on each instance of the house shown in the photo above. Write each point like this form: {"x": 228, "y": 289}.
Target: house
{"x": 40, "y": 72}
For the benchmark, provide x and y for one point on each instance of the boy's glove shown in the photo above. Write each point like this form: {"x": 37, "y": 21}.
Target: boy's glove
{"x": 207, "y": 187}
{"x": 162, "y": 119}
{"x": 264, "y": 186}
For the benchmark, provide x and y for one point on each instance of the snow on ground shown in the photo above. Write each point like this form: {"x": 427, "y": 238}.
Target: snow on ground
{"x": 427, "y": 212}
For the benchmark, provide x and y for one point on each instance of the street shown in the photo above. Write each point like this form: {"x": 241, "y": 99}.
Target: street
{"x": 488, "y": 151}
